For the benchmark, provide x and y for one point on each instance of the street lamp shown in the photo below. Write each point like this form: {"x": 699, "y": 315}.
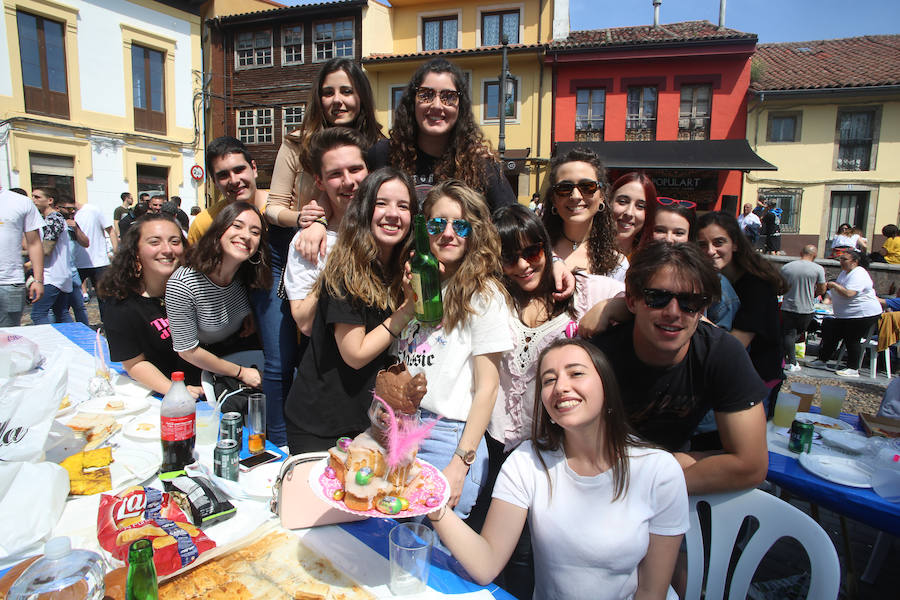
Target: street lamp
{"x": 506, "y": 91}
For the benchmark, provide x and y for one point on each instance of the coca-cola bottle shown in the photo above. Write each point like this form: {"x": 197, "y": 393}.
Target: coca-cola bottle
{"x": 177, "y": 428}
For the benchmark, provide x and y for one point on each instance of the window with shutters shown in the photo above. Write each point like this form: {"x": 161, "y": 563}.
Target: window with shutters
{"x": 42, "y": 53}
{"x": 148, "y": 88}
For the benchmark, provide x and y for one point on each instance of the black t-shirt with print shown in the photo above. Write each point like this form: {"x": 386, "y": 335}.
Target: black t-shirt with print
{"x": 139, "y": 325}
{"x": 665, "y": 404}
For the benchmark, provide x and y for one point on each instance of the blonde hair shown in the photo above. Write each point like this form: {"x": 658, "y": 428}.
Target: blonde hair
{"x": 479, "y": 271}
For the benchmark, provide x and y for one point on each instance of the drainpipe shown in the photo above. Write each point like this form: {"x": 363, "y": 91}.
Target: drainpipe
{"x": 656, "y": 4}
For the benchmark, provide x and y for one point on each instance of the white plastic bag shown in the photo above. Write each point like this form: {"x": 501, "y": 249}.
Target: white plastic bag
{"x": 32, "y": 493}
{"x": 17, "y": 355}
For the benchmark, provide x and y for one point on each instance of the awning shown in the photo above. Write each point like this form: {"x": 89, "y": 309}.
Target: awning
{"x": 717, "y": 155}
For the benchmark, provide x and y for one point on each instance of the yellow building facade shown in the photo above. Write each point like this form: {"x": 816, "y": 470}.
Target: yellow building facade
{"x": 99, "y": 100}
{"x": 399, "y": 38}
{"x": 834, "y": 136}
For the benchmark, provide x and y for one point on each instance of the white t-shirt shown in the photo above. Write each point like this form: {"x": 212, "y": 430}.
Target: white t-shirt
{"x": 447, "y": 358}
{"x": 56, "y": 266}
{"x": 93, "y": 223}
{"x": 846, "y": 241}
{"x": 748, "y": 219}
{"x": 586, "y": 545}
{"x": 299, "y": 274}
{"x": 18, "y": 215}
{"x": 863, "y": 304}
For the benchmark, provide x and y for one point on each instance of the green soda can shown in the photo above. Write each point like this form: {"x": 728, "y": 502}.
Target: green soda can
{"x": 801, "y": 436}
{"x": 225, "y": 459}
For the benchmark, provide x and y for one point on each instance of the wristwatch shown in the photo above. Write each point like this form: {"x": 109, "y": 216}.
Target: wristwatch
{"x": 467, "y": 456}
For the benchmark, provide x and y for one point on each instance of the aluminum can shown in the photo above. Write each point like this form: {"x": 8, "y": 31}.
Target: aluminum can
{"x": 225, "y": 459}
{"x": 232, "y": 428}
{"x": 801, "y": 436}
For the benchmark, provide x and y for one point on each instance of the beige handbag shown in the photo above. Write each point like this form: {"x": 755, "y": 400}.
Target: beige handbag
{"x": 295, "y": 503}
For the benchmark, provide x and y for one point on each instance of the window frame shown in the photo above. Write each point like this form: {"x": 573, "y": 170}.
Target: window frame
{"x": 516, "y": 101}
{"x": 315, "y": 43}
{"x": 630, "y": 137}
{"x": 796, "y": 115}
{"x": 284, "y": 120}
{"x": 692, "y": 116}
{"x": 302, "y": 44}
{"x": 439, "y": 17}
{"x": 500, "y": 11}
{"x": 147, "y": 119}
{"x": 255, "y": 126}
{"x": 583, "y": 135}
{"x": 255, "y": 64}
{"x": 43, "y": 100}
{"x": 875, "y": 111}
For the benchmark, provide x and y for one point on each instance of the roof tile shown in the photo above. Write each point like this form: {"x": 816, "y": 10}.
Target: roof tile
{"x": 684, "y": 31}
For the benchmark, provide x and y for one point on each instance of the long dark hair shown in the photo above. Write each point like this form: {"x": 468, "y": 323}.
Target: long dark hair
{"x": 602, "y": 252}
{"x": 650, "y": 196}
{"x": 353, "y": 268}
{"x": 746, "y": 259}
{"x": 617, "y": 434}
{"x": 466, "y": 151}
{"x": 314, "y": 121}
{"x": 123, "y": 277}
{"x": 206, "y": 255}
{"x": 519, "y": 227}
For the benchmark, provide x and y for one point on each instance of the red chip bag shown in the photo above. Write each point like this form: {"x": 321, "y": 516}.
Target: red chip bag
{"x": 149, "y": 513}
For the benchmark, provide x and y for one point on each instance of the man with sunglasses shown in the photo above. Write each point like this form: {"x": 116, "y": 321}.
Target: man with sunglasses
{"x": 672, "y": 368}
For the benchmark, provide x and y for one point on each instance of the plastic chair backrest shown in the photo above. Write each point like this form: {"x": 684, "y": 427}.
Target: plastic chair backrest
{"x": 777, "y": 519}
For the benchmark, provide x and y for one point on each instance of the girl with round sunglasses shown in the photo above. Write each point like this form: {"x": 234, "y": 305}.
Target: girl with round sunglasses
{"x": 580, "y": 226}
{"x": 363, "y": 304}
{"x": 460, "y": 356}
{"x": 757, "y": 284}
{"x": 435, "y": 137}
{"x": 583, "y": 460}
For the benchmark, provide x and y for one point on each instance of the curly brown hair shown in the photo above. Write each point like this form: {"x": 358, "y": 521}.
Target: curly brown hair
{"x": 123, "y": 276}
{"x": 206, "y": 255}
{"x": 602, "y": 252}
{"x": 467, "y": 149}
{"x": 479, "y": 272}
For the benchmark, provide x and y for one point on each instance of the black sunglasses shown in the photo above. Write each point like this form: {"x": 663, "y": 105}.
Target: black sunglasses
{"x": 425, "y": 95}
{"x": 437, "y": 226}
{"x": 530, "y": 253}
{"x": 666, "y": 201}
{"x": 687, "y": 302}
{"x": 586, "y": 186}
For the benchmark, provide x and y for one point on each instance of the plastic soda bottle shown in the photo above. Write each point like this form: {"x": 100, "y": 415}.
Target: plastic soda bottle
{"x": 178, "y": 431}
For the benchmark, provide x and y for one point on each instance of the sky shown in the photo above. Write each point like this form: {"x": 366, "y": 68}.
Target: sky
{"x": 770, "y": 20}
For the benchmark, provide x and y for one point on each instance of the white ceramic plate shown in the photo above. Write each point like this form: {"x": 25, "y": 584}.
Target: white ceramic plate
{"x": 144, "y": 427}
{"x": 258, "y": 482}
{"x": 130, "y": 405}
{"x": 823, "y": 423}
{"x": 837, "y": 469}
{"x": 133, "y": 466}
{"x": 848, "y": 441}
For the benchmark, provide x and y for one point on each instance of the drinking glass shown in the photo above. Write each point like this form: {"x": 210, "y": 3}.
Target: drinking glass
{"x": 785, "y": 409}
{"x": 256, "y": 423}
{"x": 410, "y": 556}
{"x": 832, "y": 399}
{"x": 207, "y": 424}
{"x": 806, "y": 391}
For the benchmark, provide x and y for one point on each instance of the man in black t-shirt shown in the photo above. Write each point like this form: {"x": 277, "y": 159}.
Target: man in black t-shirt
{"x": 672, "y": 369}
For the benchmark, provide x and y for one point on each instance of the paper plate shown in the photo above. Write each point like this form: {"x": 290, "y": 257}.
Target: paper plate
{"x": 432, "y": 483}
{"x": 821, "y": 422}
{"x": 837, "y": 469}
{"x": 130, "y": 405}
{"x": 133, "y": 466}
{"x": 144, "y": 428}
{"x": 258, "y": 482}
{"x": 848, "y": 441}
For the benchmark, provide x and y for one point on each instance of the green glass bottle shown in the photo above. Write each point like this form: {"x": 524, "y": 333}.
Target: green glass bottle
{"x": 140, "y": 582}
{"x": 426, "y": 278}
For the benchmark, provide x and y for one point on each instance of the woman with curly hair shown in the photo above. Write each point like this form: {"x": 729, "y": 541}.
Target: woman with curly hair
{"x": 435, "y": 136}
{"x": 362, "y": 304}
{"x": 460, "y": 356}
{"x": 134, "y": 316}
{"x": 632, "y": 200}
{"x": 577, "y": 219}
{"x": 206, "y": 300}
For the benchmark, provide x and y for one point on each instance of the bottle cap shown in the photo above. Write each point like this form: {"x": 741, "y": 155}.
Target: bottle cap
{"x": 57, "y": 547}
{"x": 177, "y": 376}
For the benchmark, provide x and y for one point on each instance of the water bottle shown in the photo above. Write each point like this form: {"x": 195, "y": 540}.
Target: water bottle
{"x": 426, "y": 278}
{"x": 78, "y": 572}
{"x": 178, "y": 431}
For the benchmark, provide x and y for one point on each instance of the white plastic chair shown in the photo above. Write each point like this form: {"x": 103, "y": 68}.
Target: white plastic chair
{"x": 777, "y": 519}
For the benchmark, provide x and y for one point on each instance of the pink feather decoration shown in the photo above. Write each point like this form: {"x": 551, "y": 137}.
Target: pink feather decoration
{"x": 404, "y": 434}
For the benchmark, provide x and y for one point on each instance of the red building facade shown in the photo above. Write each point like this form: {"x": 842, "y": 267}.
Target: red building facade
{"x": 668, "y": 99}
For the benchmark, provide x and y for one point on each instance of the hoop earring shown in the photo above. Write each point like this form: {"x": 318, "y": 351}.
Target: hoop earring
{"x": 258, "y": 259}
{"x": 553, "y": 209}
{"x": 601, "y": 207}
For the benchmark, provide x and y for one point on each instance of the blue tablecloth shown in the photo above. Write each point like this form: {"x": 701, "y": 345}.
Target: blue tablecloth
{"x": 860, "y": 504}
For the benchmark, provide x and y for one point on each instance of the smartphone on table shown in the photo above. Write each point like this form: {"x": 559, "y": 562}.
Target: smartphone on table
{"x": 255, "y": 460}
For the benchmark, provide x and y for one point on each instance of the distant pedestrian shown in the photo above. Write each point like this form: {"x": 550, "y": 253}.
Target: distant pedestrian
{"x": 180, "y": 215}
{"x": 771, "y": 229}
{"x": 19, "y": 216}
{"x": 93, "y": 259}
{"x": 890, "y": 249}
{"x": 750, "y": 224}
{"x": 806, "y": 280}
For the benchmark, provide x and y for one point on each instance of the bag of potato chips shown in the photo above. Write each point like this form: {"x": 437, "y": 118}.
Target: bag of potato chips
{"x": 140, "y": 512}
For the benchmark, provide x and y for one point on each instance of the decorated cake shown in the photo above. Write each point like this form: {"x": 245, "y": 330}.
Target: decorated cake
{"x": 378, "y": 469}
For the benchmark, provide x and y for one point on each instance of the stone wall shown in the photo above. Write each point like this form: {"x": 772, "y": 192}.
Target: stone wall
{"x": 883, "y": 275}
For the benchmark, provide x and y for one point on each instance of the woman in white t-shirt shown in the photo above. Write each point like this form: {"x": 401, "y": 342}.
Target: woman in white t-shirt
{"x": 606, "y": 514}
{"x": 856, "y": 310}
{"x": 460, "y": 356}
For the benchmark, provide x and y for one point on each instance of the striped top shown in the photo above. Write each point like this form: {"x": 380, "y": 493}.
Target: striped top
{"x": 201, "y": 312}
